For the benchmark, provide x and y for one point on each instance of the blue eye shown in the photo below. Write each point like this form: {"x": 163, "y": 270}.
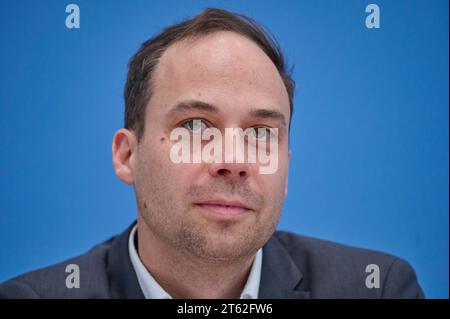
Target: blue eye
{"x": 262, "y": 133}
{"x": 195, "y": 125}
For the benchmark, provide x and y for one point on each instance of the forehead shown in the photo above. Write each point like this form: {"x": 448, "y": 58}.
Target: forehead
{"x": 224, "y": 68}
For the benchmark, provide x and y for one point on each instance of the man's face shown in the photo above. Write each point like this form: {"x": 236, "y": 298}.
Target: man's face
{"x": 180, "y": 203}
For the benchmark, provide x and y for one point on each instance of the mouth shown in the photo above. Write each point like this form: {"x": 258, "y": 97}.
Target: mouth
{"x": 224, "y": 210}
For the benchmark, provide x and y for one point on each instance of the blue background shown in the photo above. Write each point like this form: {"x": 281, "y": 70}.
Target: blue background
{"x": 369, "y": 139}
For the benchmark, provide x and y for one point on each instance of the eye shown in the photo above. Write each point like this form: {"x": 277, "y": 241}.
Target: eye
{"x": 262, "y": 133}
{"x": 195, "y": 125}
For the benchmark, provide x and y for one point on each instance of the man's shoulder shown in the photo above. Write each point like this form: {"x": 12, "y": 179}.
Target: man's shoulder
{"x": 329, "y": 270}
{"x": 59, "y": 280}
{"x": 332, "y": 269}
{"x": 316, "y": 248}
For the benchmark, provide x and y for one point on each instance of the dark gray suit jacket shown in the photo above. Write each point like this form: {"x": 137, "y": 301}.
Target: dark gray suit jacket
{"x": 293, "y": 266}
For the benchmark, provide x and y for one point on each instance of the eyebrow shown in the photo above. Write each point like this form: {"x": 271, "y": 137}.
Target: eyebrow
{"x": 190, "y": 105}
{"x": 269, "y": 114}
{"x": 193, "y": 105}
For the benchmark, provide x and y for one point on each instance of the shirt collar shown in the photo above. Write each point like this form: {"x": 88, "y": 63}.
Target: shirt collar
{"x": 152, "y": 290}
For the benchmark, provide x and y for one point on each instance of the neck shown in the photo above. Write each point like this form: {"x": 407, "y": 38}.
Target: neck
{"x": 186, "y": 276}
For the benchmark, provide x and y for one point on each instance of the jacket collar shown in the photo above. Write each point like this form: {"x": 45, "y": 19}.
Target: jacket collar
{"x": 123, "y": 279}
{"x": 280, "y": 276}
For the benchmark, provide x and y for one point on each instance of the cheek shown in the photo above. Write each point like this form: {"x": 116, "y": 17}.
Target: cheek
{"x": 275, "y": 184}
{"x": 151, "y": 163}
{"x": 275, "y": 188}
{"x": 157, "y": 168}
{"x": 156, "y": 152}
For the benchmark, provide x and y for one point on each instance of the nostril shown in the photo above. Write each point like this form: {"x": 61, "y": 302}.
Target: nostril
{"x": 226, "y": 172}
{"x": 222, "y": 171}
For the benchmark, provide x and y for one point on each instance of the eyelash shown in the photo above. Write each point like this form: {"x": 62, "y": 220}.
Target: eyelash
{"x": 183, "y": 123}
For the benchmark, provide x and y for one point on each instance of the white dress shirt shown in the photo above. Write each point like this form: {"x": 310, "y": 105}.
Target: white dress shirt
{"x": 152, "y": 290}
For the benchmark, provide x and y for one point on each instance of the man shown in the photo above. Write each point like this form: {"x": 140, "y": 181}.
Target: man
{"x": 206, "y": 229}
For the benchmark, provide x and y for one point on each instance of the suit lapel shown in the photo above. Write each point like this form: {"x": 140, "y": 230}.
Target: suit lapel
{"x": 123, "y": 279}
{"x": 280, "y": 276}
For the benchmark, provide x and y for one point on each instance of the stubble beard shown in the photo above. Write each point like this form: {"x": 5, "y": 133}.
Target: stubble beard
{"x": 186, "y": 231}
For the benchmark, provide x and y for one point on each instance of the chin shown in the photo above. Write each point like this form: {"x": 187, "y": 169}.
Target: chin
{"x": 222, "y": 241}
{"x": 229, "y": 246}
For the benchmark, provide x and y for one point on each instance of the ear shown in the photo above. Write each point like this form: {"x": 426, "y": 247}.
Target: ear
{"x": 124, "y": 147}
{"x": 287, "y": 177}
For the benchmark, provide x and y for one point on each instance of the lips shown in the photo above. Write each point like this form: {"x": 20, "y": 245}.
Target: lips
{"x": 224, "y": 209}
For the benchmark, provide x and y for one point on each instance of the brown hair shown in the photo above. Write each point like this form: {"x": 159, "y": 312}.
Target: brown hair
{"x": 138, "y": 88}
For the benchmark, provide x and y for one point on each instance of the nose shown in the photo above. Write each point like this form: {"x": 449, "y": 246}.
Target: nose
{"x": 234, "y": 171}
